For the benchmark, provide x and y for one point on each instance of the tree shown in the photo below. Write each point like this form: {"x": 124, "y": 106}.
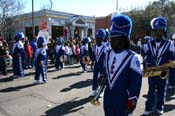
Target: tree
{"x": 48, "y": 6}
{"x": 8, "y": 9}
{"x": 142, "y": 17}
{"x": 163, "y": 8}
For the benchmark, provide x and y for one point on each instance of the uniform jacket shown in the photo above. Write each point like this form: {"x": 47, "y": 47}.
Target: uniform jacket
{"x": 98, "y": 55}
{"x": 127, "y": 74}
{"x": 160, "y": 54}
{"x": 41, "y": 55}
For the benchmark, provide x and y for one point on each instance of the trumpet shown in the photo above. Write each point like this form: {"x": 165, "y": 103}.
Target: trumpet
{"x": 86, "y": 60}
{"x": 94, "y": 99}
{"x": 162, "y": 70}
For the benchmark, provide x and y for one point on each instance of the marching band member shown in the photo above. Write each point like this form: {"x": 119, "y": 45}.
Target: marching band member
{"x": 84, "y": 52}
{"x": 98, "y": 58}
{"x": 34, "y": 46}
{"x": 145, "y": 41}
{"x": 90, "y": 52}
{"x": 158, "y": 52}
{"x": 123, "y": 70}
{"x": 60, "y": 51}
{"x": 171, "y": 79}
{"x": 41, "y": 60}
{"x": 106, "y": 39}
{"x": 19, "y": 55}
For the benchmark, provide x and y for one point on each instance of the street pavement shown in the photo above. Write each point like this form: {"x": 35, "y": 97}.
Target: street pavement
{"x": 65, "y": 94}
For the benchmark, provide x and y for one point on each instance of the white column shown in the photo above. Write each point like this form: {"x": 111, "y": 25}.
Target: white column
{"x": 93, "y": 32}
{"x": 72, "y": 28}
{"x": 82, "y": 33}
{"x": 117, "y": 5}
{"x": 50, "y": 26}
{"x": 86, "y": 31}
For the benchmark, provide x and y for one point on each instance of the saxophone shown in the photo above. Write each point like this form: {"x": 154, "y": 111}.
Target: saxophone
{"x": 94, "y": 100}
{"x": 162, "y": 70}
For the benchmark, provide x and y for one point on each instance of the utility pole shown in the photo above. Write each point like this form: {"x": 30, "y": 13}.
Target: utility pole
{"x": 117, "y": 5}
{"x": 33, "y": 26}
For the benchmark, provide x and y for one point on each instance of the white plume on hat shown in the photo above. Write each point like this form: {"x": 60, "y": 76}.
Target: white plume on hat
{"x": 173, "y": 36}
{"x": 114, "y": 14}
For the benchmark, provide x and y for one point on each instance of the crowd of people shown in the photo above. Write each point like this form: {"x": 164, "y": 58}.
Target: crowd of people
{"x": 111, "y": 57}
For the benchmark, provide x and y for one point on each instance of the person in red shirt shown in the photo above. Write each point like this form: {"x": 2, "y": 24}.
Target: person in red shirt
{"x": 29, "y": 52}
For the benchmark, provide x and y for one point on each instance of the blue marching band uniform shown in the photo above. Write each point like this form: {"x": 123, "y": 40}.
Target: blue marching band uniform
{"x": 123, "y": 72}
{"x": 171, "y": 79}
{"x": 146, "y": 39}
{"x": 121, "y": 69}
{"x": 41, "y": 61}
{"x": 98, "y": 58}
{"x": 34, "y": 46}
{"x": 18, "y": 54}
{"x": 84, "y": 52}
{"x": 157, "y": 52}
{"x": 106, "y": 42}
{"x": 59, "y": 51}
{"x": 123, "y": 84}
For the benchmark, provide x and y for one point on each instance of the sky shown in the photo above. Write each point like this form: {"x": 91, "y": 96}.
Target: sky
{"x": 87, "y": 7}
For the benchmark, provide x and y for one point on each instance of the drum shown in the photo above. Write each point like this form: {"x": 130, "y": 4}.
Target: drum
{"x": 86, "y": 60}
{"x": 63, "y": 58}
{"x": 8, "y": 60}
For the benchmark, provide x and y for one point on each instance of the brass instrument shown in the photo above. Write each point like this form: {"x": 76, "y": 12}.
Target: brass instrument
{"x": 86, "y": 60}
{"x": 94, "y": 99}
{"x": 63, "y": 58}
{"x": 162, "y": 70}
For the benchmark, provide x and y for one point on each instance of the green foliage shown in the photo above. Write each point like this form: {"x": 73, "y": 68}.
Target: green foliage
{"x": 141, "y": 18}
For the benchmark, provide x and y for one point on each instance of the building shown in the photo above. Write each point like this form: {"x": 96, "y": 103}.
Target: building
{"x": 57, "y": 21}
{"x": 103, "y": 22}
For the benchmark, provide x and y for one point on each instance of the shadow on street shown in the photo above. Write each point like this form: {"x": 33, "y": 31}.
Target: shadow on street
{"x": 78, "y": 85}
{"x": 170, "y": 94}
{"x": 69, "y": 67}
{"x": 18, "y": 88}
{"x": 167, "y": 107}
{"x": 67, "y": 75}
{"x": 67, "y": 107}
{"x": 6, "y": 79}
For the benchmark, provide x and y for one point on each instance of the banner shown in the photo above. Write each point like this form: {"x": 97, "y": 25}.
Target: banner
{"x": 43, "y": 25}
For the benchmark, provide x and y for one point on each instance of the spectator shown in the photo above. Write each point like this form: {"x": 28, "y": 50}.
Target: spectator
{"x": 29, "y": 53}
{"x": 33, "y": 44}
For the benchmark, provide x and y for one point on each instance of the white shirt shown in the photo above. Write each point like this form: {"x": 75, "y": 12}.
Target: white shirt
{"x": 119, "y": 58}
{"x": 135, "y": 62}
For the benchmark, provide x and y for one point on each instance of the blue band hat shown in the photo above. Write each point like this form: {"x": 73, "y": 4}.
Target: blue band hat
{"x": 60, "y": 40}
{"x": 107, "y": 34}
{"x": 148, "y": 38}
{"x": 159, "y": 23}
{"x": 42, "y": 40}
{"x": 19, "y": 36}
{"x": 173, "y": 36}
{"x": 101, "y": 33}
{"x": 86, "y": 40}
{"x": 121, "y": 25}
